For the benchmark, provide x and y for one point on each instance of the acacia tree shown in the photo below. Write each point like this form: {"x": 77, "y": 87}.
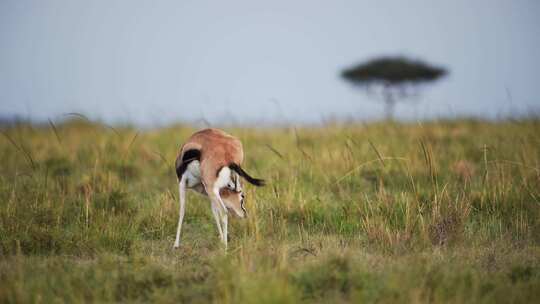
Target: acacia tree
{"x": 392, "y": 78}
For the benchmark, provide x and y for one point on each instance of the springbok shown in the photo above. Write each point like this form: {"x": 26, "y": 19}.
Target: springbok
{"x": 210, "y": 164}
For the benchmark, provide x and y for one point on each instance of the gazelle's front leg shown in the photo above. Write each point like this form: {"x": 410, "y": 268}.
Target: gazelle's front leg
{"x": 224, "y": 218}
{"x": 224, "y": 222}
{"x": 220, "y": 213}
{"x": 217, "y": 215}
{"x": 182, "y": 196}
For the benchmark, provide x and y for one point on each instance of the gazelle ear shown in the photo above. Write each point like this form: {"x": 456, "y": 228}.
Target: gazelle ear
{"x": 234, "y": 182}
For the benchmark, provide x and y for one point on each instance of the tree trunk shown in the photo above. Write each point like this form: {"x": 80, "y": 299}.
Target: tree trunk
{"x": 389, "y": 103}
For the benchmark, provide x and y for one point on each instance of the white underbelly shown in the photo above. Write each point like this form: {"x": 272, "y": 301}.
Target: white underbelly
{"x": 193, "y": 174}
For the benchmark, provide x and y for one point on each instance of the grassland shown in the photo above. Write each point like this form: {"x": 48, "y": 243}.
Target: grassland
{"x": 384, "y": 212}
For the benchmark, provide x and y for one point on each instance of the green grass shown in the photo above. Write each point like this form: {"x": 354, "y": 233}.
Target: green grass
{"x": 383, "y": 212}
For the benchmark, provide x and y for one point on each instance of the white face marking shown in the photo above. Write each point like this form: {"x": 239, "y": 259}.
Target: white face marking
{"x": 223, "y": 179}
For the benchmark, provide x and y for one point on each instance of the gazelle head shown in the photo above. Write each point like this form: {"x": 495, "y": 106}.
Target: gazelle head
{"x": 234, "y": 200}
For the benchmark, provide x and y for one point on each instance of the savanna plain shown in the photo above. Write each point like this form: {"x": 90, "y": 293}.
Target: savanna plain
{"x": 385, "y": 212}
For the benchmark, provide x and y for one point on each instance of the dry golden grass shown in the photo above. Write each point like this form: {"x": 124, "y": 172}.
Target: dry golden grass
{"x": 384, "y": 212}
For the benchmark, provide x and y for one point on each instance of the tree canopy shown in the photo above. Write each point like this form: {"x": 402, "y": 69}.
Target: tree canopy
{"x": 392, "y": 71}
{"x": 393, "y": 78}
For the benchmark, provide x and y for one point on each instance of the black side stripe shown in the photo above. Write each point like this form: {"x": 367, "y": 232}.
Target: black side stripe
{"x": 188, "y": 157}
{"x": 254, "y": 181}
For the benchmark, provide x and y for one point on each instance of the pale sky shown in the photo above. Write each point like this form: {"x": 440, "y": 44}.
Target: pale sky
{"x": 157, "y": 62}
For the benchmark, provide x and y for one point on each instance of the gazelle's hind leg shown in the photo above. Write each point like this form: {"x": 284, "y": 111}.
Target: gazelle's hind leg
{"x": 182, "y": 195}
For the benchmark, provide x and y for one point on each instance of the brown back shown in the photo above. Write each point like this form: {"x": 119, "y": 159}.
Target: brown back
{"x": 218, "y": 149}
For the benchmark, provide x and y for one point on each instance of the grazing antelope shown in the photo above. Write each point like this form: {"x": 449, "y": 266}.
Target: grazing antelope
{"x": 209, "y": 163}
